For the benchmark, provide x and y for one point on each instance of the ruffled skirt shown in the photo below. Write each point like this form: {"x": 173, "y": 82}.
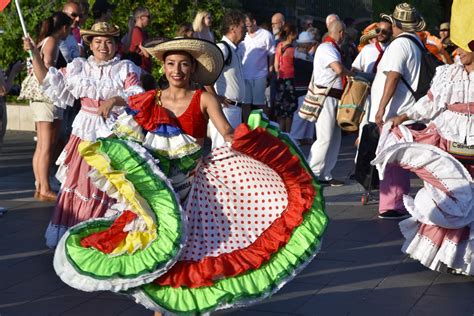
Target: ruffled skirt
{"x": 440, "y": 232}
{"x": 253, "y": 218}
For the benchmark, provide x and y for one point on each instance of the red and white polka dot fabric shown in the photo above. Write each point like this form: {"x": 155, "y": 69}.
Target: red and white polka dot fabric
{"x": 233, "y": 201}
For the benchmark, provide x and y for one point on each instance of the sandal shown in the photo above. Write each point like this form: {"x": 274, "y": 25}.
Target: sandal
{"x": 48, "y": 197}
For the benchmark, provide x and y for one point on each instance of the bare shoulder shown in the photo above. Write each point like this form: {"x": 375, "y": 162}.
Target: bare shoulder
{"x": 208, "y": 98}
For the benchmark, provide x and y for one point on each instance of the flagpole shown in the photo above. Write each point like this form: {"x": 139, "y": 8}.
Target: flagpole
{"x": 22, "y": 22}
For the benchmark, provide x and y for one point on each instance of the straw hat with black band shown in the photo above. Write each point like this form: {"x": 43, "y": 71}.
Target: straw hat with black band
{"x": 208, "y": 56}
{"x": 406, "y": 17}
{"x": 100, "y": 29}
{"x": 368, "y": 33}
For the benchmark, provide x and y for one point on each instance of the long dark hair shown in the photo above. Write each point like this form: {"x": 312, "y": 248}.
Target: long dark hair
{"x": 53, "y": 24}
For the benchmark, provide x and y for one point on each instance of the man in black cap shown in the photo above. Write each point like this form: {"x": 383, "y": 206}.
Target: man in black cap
{"x": 102, "y": 10}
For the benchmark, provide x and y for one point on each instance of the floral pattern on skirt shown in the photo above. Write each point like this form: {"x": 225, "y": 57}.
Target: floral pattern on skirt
{"x": 285, "y": 100}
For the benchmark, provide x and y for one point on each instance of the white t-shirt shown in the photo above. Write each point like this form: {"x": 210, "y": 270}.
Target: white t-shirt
{"x": 365, "y": 60}
{"x": 231, "y": 83}
{"x": 254, "y": 52}
{"x": 323, "y": 75}
{"x": 404, "y": 57}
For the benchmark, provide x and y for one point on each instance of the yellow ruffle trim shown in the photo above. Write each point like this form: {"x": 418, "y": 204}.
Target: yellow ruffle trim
{"x": 135, "y": 239}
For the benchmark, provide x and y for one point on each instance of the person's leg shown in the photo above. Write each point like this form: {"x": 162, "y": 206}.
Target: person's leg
{"x": 395, "y": 184}
{"x": 44, "y": 147}
{"x": 35, "y": 160}
{"x": 333, "y": 152}
{"x": 3, "y": 120}
{"x": 247, "y": 106}
{"x": 288, "y": 121}
{"x": 325, "y": 126}
{"x": 258, "y": 96}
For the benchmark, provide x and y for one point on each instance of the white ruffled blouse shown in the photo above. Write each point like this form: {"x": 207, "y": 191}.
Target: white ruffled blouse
{"x": 451, "y": 84}
{"x": 92, "y": 82}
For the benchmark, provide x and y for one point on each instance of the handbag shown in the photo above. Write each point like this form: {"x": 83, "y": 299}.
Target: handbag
{"x": 31, "y": 89}
{"x": 313, "y": 102}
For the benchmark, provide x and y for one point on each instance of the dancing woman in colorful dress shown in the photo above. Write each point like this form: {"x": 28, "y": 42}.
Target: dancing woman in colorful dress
{"x": 440, "y": 232}
{"x": 103, "y": 83}
{"x": 190, "y": 233}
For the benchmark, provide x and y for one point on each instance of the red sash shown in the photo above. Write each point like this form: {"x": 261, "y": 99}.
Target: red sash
{"x": 329, "y": 39}
{"x": 381, "y": 51}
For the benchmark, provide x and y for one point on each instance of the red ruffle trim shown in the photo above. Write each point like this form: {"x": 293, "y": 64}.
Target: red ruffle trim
{"x": 107, "y": 240}
{"x": 149, "y": 115}
{"x": 270, "y": 150}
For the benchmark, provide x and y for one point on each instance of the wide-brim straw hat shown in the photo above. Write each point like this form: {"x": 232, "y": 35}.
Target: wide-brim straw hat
{"x": 208, "y": 56}
{"x": 368, "y": 33}
{"x": 406, "y": 17}
{"x": 100, "y": 29}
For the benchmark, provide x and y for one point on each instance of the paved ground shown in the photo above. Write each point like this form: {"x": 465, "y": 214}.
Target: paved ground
{"x": 360, "y": 270}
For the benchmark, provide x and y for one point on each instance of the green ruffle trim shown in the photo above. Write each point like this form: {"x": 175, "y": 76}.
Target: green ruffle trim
{"x": 184, "y": 164}
{"x": 253, "y": 285}
{"x": 162, "y": 201}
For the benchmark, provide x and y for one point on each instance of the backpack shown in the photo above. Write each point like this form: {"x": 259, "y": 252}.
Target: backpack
{"x": 228, "y": 60}
{"x": 428, "y": 66}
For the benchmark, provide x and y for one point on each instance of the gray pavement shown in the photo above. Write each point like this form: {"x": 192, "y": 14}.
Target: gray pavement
{"x": 360, "y": 270}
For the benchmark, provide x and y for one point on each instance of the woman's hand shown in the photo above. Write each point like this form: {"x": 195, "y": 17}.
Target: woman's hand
{"x": 28, "y": 44}
{"x": 106, "y": 106}
{"x": 397, "y": 120}
{"x": 229, "y": 138}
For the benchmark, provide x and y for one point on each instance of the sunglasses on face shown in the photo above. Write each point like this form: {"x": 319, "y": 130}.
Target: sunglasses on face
{"x": 75, "y": 15}
{"x": 382, "y": 31}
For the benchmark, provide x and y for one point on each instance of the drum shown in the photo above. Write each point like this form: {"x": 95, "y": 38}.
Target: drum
{"x": 351, "y": 106}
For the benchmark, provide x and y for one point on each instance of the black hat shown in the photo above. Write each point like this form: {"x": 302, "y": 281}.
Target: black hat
{"x": 102, "y": 6}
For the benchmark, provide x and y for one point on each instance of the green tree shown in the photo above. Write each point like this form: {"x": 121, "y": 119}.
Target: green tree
{"x": 167, "y": 15}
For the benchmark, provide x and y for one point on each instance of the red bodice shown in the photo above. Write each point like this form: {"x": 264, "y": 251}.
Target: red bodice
{"x": 151, "y": 113}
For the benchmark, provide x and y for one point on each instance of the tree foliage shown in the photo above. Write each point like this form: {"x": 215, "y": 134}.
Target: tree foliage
{"x": 167, "y": 15}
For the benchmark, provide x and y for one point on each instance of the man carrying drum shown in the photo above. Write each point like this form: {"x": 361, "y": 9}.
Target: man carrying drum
{"x": 328, "y": 72}
{"x": 376, "y": 39}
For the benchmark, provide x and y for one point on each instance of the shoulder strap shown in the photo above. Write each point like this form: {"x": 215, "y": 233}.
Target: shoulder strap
{"x": 422, "y": 48}
{"x": 411, "y": 38}
{"x": 228, "y": 60}
{"x": 284, "y": 48}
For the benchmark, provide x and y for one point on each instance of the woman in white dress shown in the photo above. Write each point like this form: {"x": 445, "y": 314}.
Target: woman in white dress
{"x": 103, "y": 83}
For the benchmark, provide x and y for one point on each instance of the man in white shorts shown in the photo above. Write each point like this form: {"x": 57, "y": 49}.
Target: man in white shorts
{"x": 257, "y": 51}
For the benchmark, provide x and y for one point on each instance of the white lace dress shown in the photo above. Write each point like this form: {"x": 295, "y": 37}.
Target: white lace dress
{"x": 92, "y": 82}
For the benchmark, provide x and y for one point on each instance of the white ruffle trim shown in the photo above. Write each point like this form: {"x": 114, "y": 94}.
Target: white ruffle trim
{"x": 90, "y": 127}
{"x": 126, "y": 127}
{"x": 451, "y": 209}
{"x": 451, "y": 84}
{"x": 173, "y": 147}
{"x": 89, "y": 79}
{"x": 69, "y": 275}
{"x": 449, "y": 255}
{"x": 455, "y": 127}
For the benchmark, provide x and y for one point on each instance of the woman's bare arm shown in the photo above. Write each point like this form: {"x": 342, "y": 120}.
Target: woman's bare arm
{"x": 49, "y": 50}
{"x": 39, "y": 68}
